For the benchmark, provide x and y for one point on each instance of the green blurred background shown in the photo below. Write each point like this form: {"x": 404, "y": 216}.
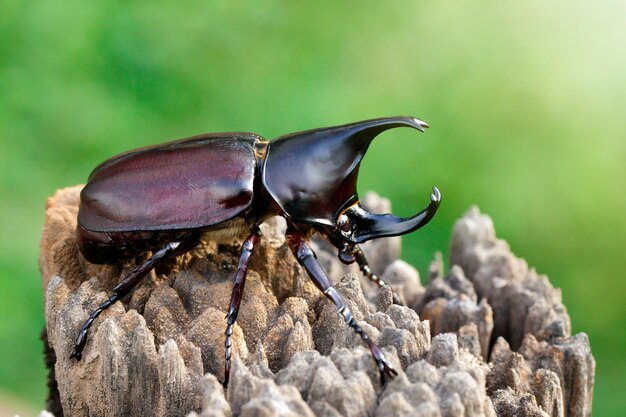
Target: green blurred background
{"x": 526, "y": 102}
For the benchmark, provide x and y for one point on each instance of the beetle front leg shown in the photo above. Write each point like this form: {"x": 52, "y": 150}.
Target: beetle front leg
{"x": 128, "y": 283}
{"x": 235, "y": 299}
{"x": 306, "y": 257}
{"x": 361, "y": 260}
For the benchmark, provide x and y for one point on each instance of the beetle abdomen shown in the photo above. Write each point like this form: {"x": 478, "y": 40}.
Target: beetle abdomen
{"x": 116, "y": 247}
{"x": 188, "y": 184}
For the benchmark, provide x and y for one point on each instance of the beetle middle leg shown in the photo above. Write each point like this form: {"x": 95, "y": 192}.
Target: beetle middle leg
{"x": 361, "y": 260}
{"x": 235, "y": 300}
{"x": 128, "y": 283}
{"x": 307, "y": 258}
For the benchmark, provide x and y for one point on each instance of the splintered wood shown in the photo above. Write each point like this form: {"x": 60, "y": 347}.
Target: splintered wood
{"x": 490, "y": 337}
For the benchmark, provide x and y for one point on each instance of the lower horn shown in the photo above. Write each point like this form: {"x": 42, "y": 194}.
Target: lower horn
{"x": 366, "y": 226}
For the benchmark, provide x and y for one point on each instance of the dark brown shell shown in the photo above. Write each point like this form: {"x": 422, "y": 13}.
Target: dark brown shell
{"x": 191, "y": 183}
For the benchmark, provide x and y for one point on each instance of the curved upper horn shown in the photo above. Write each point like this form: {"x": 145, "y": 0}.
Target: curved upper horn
{"x": 365, "y": 226}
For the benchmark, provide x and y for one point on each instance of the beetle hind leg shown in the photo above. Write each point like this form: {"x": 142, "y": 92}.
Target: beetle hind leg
{"x": 361, "y": 260}
{"x": 306, "y": 257}
{"x": 128, "y": 283}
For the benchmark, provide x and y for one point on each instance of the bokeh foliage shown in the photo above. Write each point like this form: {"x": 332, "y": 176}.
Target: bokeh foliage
{"x": 526, "y": 101}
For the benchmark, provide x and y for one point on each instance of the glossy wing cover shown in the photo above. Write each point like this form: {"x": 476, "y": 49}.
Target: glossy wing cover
{"x": 190, "y": 183}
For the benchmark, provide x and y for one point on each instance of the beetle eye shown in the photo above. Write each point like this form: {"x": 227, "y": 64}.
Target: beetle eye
{"x": 343, "y": 223}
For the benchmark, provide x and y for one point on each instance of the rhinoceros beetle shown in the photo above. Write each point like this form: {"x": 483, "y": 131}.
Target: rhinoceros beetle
{"x": 165, "y": 198}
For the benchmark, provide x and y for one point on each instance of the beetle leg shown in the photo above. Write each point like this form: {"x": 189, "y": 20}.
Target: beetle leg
{"x": 237, "y": 295}
{"x": 307, "y": 258}
{"x": 359, "y": 255}
{"x": 128, "y": 283}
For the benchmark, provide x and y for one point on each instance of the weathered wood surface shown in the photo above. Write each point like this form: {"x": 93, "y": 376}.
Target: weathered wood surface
{"x": 490, "y": 337}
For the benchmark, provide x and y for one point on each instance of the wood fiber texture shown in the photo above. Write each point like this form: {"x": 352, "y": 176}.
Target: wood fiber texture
{"x": 490, "y": 337}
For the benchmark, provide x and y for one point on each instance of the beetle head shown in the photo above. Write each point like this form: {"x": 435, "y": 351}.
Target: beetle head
{"x": 312, "y": 176}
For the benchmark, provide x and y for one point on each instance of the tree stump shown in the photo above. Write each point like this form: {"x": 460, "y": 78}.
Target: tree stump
{"x": 490, "y": 337}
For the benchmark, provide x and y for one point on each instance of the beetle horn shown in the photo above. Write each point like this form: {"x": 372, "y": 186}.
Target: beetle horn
{"x": 312, "y": 174}
{"x": 366, "y": 226}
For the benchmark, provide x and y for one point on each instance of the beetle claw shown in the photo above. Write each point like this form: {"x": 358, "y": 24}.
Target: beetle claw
{"x": 76, "y": 355}
{"x": 386, "y": 371}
